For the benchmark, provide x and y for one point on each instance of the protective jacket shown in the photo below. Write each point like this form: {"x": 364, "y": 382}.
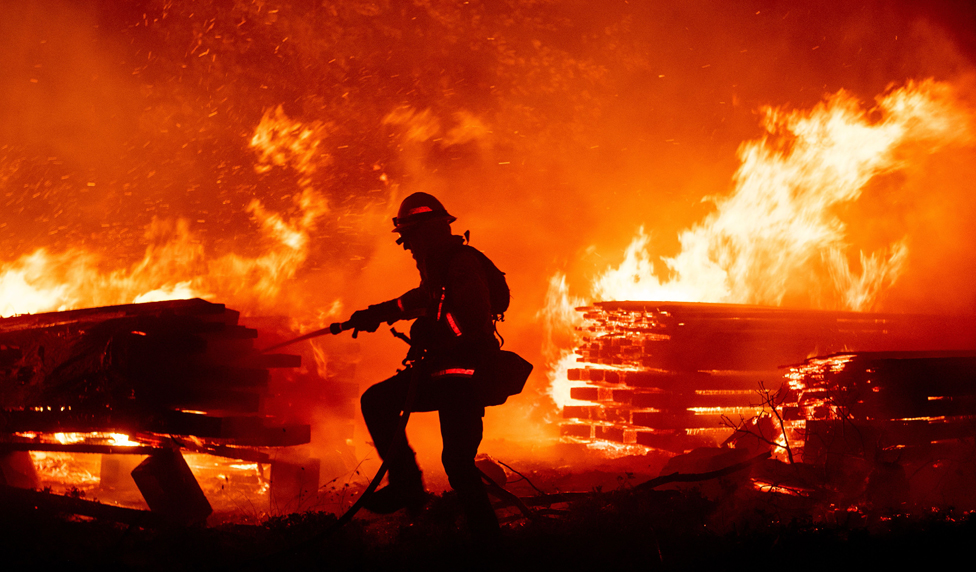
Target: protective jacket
{"x": 452, "y": 305}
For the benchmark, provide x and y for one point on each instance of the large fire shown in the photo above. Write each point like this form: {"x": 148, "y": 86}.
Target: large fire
{"x": 175, "y": 265}
{"x": 778, "y": 237}
{"x": 251, "y": 153}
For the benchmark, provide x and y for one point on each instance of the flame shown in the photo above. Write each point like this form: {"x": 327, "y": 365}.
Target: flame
{"x": 94, "y": 437}
{"x": 283, "y": 142}
{"x": 559, "y": 317}
{"x": 777, "y": 235}
{"x": 175, "y": 265}
{"x": 122, "y": 440}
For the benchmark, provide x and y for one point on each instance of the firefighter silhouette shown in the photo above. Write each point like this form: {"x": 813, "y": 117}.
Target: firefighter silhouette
{"x": 453, "y": 343}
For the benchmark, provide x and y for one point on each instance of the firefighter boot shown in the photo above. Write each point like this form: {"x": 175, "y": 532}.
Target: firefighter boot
{"x": 403, "y": 491}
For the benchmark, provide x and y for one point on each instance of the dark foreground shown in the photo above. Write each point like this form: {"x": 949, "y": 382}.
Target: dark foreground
{"x": 626, "y": 529}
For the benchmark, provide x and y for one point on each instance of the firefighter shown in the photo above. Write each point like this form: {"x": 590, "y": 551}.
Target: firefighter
{"x": 452, "y": 339}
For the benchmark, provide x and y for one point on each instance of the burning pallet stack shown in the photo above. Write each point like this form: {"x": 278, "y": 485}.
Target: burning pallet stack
{"x": 863, "y": 404}
{"x": 139, "y": 379}
{"x": 675, "y": 376}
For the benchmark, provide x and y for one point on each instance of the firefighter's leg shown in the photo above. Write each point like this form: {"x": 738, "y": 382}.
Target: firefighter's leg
{"x": 461, "y": 430}
{"x": 381, "y": 406}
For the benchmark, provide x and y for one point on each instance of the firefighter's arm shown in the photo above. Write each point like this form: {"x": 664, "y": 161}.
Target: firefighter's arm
{"x": 406, "y": 307}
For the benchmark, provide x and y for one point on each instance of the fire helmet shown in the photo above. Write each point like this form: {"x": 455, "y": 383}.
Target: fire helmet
{"x": 419, "y": 208}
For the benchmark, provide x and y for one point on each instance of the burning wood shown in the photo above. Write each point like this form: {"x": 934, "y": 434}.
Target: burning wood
{"x": 141, "y": 368}
{"x": 671, "y": 375}
{"x": 863, "y": 404}
{"x": 144, "y": 379}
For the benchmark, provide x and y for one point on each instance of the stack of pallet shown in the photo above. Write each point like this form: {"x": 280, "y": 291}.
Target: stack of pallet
{"x": 172, "y": 368}
{"x": 141, "y": 380}
{"x": 677, "y": 375}
{"x": 862, "y": 404}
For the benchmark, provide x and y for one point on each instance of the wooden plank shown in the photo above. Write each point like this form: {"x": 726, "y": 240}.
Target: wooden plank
{"x": 865, "y": 438}
{"x": 76, "y": 448}
{"x": 193, "y": 307}
{"x": 623, "y": 396}
{"x": 67, "y": 422}
{"x": 585, "y": 393}
{"x": 170, "y": 489}
{"x": 274, "y": 436}
{"x": 168, "y": 386}
{"x": 685, "y": 400}
{"x": 709, "y": 324}
{"x": 207, "y": 398}
{"x": 612, "y": 433}
{"x": 597, "y": 413}
{"x": 242, "y": 430}
{"x": 680, "y": 420}
{"x": 677, "y": 442}
{"x": 688, "y": 382}
{"x": 955, "y": 376}
{"x": 576, "y": 430}
{"x": 225, "y": 349}
{"x": 30, "y": 500}
{"x": 255, "y": 431}
{"x": 232, "y": 332}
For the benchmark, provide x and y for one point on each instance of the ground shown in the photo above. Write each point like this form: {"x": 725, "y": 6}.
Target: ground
{"x": 620, "y": 527}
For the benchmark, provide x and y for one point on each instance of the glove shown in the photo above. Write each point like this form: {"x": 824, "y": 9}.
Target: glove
{"x": 367, "y": 320}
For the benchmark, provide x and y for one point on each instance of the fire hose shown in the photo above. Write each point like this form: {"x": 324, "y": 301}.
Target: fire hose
{"x": 411, "y": 362}
{"x": 335, "y": 329}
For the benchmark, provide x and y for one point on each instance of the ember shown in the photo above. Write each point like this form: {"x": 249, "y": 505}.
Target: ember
{"x": 812, "y": 157}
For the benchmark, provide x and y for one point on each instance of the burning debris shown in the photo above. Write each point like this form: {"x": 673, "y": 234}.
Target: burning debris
{"x": 673, "y": 375}
{"x": 907, "y": 405}
{"x": 882, "y": 421}
{"x": 142, "y": 379}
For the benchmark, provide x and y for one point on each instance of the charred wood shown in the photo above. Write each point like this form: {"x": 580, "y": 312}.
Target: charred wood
{"x": 132, "y": 368}
{"x": 22, "y": 500}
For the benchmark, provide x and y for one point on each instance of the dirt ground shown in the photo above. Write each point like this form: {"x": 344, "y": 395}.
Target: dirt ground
{"x": 611, "y": 522}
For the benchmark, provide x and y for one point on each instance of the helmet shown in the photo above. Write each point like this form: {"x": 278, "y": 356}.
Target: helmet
{"x": 419, "y": 208}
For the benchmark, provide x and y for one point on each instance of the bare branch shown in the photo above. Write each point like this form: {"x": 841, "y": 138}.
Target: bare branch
{"x": 768, "y": 399}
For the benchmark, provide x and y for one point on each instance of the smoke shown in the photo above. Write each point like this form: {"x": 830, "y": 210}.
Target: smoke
{"x": 552, "y": 130}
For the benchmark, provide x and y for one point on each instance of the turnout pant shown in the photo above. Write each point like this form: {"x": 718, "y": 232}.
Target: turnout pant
{"x": 460, "y": 415}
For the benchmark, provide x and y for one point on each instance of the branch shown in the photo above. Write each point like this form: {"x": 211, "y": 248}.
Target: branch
{"x": 501, "y": 493}
{"x": 531, "y": 484}
{"x": 695, "y": 477}
{"x": 767, "y": 398}
{"x": 550, "y": 499}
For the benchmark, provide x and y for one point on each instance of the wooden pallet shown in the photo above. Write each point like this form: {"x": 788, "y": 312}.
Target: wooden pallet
{"x": 673, "y": 375}
{"x": 141, "y": 368}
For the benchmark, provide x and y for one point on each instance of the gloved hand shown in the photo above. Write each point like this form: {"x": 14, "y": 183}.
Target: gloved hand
{"x": 367, "y": 320}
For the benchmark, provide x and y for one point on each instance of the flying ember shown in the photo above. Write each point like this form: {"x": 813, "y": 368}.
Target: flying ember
{"x": 708, "y": 214}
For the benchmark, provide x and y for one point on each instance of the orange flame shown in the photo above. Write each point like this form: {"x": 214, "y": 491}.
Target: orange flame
{"x": 777, "y": 233}
{"x": 559, "y": 316}
{"x": 777, "y": 237}
{"x": 175, "y": 265}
